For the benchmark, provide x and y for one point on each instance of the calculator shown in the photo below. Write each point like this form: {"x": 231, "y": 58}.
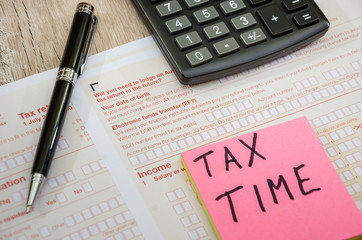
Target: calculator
{"x": 205, "y": 40}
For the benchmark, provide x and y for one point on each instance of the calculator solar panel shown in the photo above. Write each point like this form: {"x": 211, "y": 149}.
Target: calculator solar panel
{"x": 208, "y": 39}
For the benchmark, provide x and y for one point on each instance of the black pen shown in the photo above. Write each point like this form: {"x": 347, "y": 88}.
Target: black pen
{"x": 74, "y": 58}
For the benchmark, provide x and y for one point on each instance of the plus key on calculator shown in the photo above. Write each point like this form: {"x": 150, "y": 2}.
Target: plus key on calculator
{"x": 207, "y": 39}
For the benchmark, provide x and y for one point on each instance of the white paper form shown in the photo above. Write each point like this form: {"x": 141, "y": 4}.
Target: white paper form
{"x": 142, "y": 114}
{"x": 79, "y": 200}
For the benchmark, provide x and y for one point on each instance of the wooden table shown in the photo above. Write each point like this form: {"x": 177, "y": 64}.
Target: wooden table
{"x": 33, "y": 33}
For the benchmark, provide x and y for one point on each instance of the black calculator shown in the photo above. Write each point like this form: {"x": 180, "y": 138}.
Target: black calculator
{"x": 208, "y": 39}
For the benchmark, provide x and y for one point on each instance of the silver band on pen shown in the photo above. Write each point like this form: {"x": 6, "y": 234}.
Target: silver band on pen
{"x": 86, "y": 8}
{"x": 67, "y": 74}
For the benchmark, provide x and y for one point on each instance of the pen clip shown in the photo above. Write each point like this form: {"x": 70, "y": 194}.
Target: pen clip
{"x": 88, "y": 43}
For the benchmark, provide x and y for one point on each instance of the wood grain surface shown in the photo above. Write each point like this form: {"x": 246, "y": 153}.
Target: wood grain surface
{"x": 33, "y": 33}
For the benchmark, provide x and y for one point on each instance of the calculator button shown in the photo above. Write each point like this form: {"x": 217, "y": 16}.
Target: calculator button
{"x": 253, "y": 37}
{"x": 198, "y": 57}
{"x": 258, "y": 2}
{"x": 275, "y": 20}
{"x": 206, "y": 15}
{"x": 226, "y": 46}
{"x": 168, "y": 8}
{"x": 243, "y": 21}
{"x": 195, "y": 3}
{"x": 216, "y": 30}
{"x": 305, "y": 18}
{"x": 178, "y": 24}
{"x": 188, "y": 40}
{"x": 294, "y": 5}
{"x": 232, "y": 6}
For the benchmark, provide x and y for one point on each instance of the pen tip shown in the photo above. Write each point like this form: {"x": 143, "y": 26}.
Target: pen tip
{"x": 28, "y": 209}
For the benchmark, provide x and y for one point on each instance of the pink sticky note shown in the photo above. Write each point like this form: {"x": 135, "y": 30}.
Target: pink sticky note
{"x": 274, "y": 183}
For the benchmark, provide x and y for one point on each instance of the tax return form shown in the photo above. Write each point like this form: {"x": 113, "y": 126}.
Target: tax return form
{"x": 117, "y": 173}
